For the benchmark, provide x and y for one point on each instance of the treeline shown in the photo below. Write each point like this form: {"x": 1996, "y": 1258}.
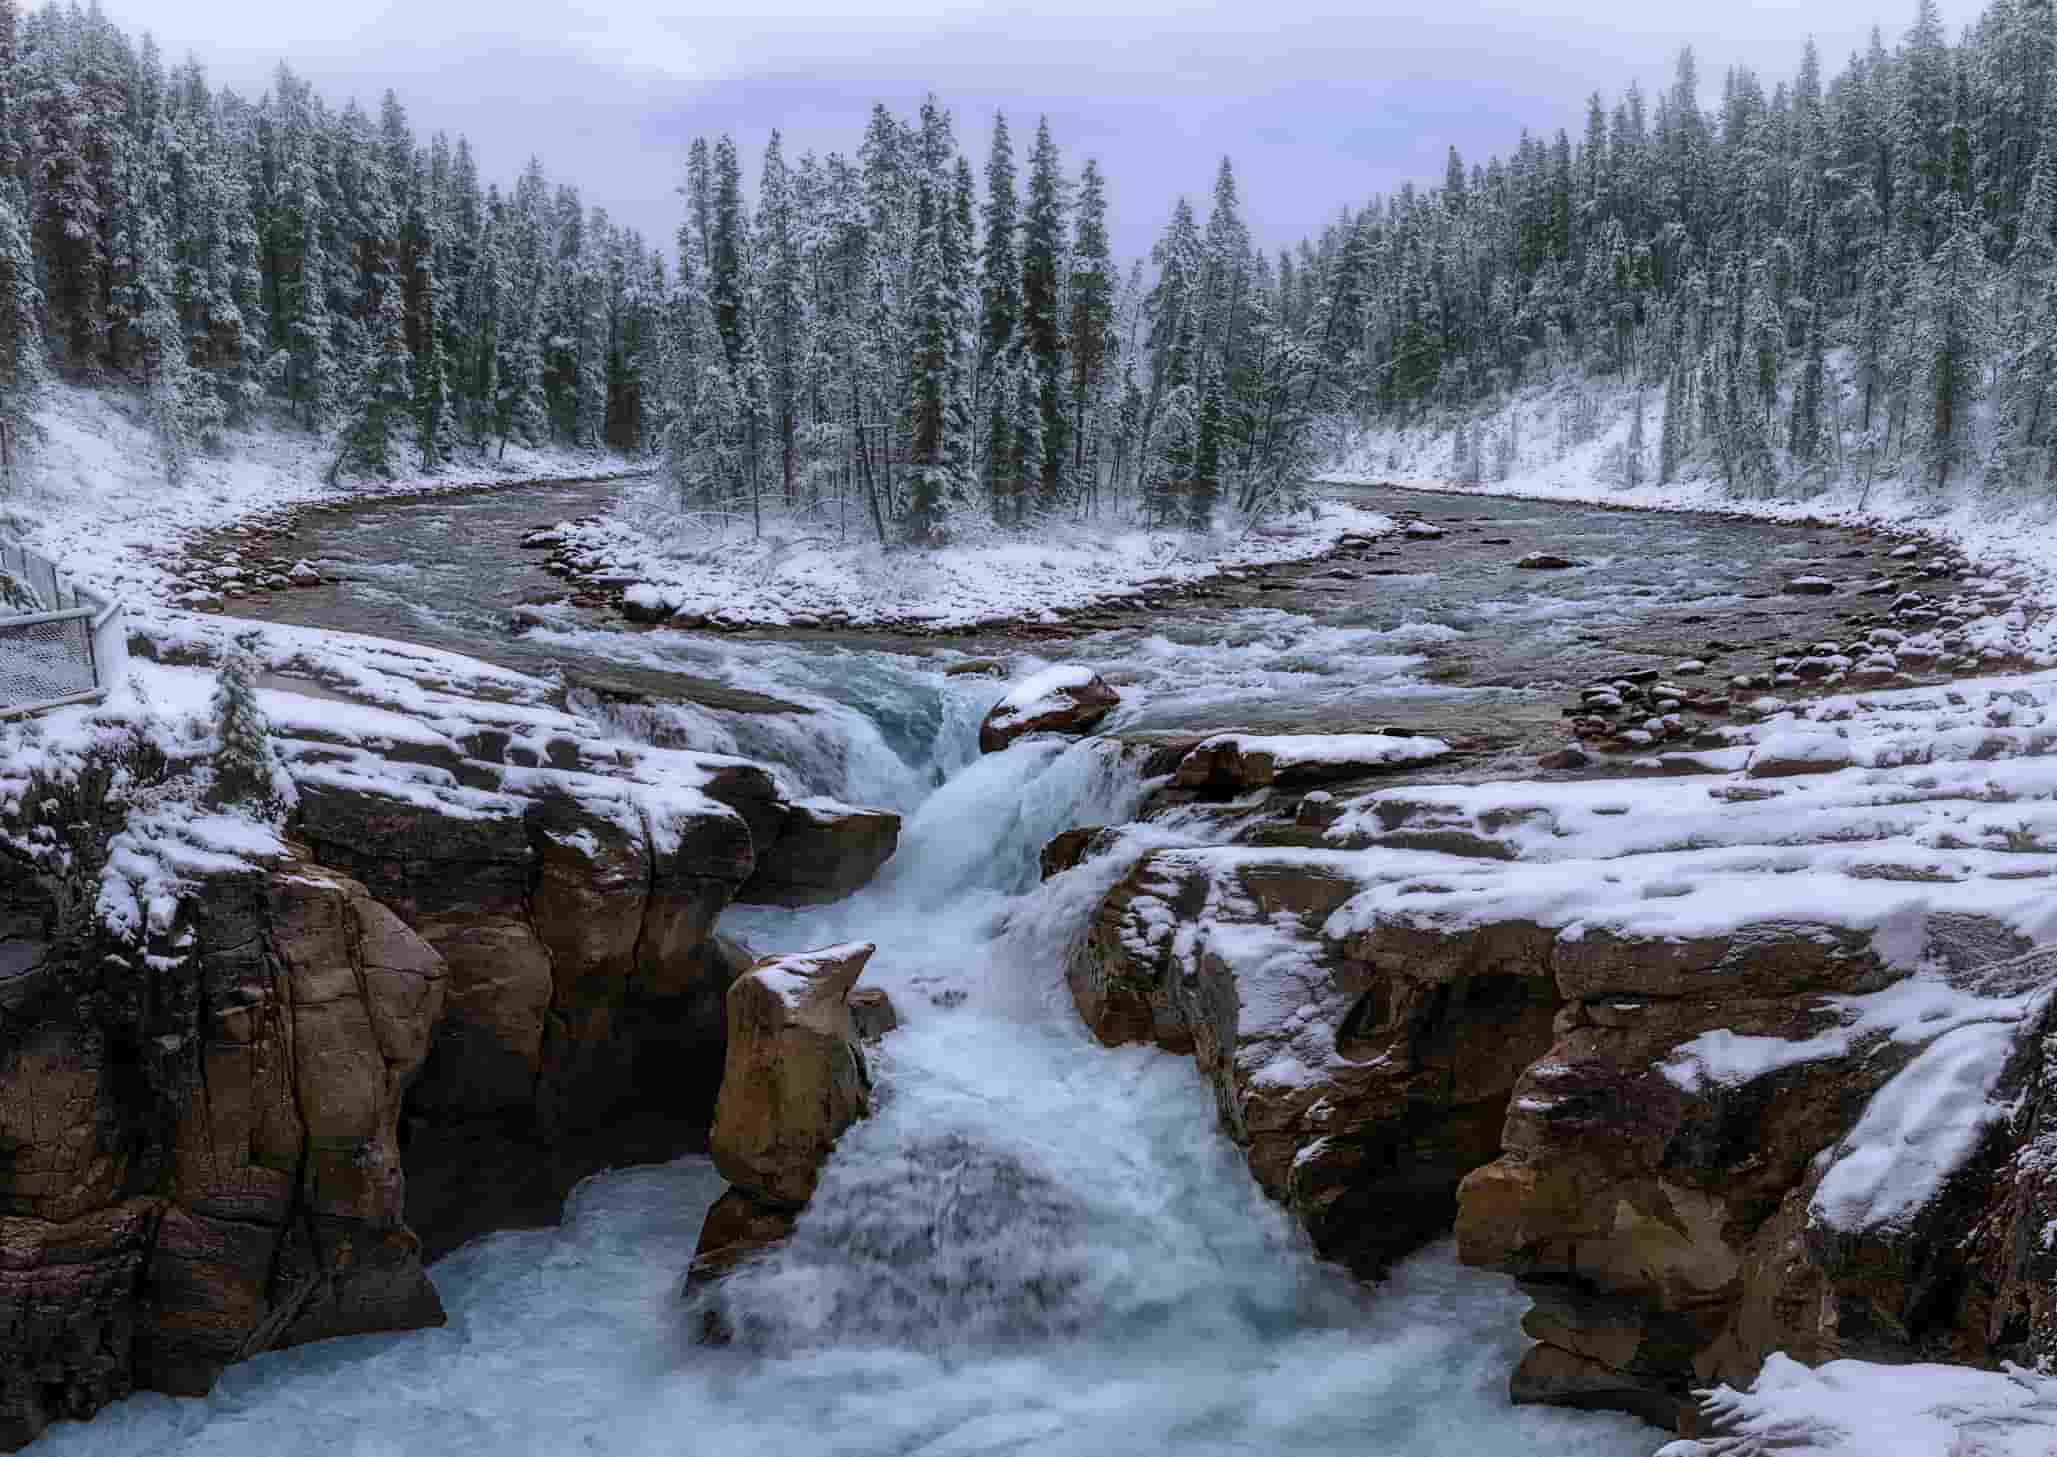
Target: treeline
{"x": 888, "y": 334}
{"x": 233, "y": 258}
{"x": 884, "y": 336}
{"x": 1850, "y": 275}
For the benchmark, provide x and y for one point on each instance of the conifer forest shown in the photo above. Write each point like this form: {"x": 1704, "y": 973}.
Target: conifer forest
{"x": 1852, "y": 269}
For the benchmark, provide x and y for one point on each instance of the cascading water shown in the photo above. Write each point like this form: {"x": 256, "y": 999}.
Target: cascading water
{"x": 1034, "y": 1245}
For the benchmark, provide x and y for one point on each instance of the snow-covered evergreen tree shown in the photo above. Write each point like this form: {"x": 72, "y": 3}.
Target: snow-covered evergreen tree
{"x": 247, "y": 772}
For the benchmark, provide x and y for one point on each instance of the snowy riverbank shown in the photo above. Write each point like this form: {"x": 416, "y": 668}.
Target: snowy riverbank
{"x": 95, "y": 501}
{"x": 809, "y": 574}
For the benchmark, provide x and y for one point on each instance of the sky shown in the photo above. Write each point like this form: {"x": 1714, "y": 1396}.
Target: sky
{"x": 1318, "y": 102}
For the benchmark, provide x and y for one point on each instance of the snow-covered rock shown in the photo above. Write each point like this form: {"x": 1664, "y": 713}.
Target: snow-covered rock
{"x": 1237, "y": 762}
{"x": 1067, "y": 698}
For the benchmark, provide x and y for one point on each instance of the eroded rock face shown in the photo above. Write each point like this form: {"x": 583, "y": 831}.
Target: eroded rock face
{"x": 485, "y": 947}
{"x": 823, "y": 851}
{"x": 199, "y": 1132}
{"x": 795, "y": 1077}
{"x": 1363, "y": 1087}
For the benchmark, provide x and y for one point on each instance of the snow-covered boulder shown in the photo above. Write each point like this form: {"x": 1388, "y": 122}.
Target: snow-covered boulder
{"x": 1237, "y": 762}
{"x": 1066, "y": 698}
{"x": 644, "y": 603}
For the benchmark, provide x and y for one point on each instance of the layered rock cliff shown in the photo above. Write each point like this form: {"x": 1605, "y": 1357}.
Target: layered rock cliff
{"x": 1720, "y": 1060}
{"x": 251, "y": 1080}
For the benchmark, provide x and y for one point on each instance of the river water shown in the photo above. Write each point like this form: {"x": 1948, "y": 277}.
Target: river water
{"x": 1035, "y": 1245}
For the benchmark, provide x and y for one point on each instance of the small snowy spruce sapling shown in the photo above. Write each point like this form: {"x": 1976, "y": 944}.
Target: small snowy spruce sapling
{"x": 247, "y": 774}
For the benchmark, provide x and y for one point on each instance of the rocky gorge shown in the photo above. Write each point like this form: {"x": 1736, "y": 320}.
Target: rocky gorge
{"x": 248, "y": 1085}
{"x": 1211, "y": 947}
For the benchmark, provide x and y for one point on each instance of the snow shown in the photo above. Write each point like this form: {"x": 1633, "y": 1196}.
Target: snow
{"x": 1043, "y": 692}
{"x": 1295, "y": 751}
{"x": 95, "y": 500}
{"x": 1918, "y": 1129}
{"x": 805, "y": 573}
{"x": 1860, "y": 1409}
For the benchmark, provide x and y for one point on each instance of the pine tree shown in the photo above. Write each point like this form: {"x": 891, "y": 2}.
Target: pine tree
{"x": 247, "y": 771}
{"x": 1042, "y": 319}
{"x": 1950, "y": 342}
{"x": 382, "y": 396}
{"x": 1671, "y": 442}
{"x": 21, "y": 339}
{"x": 1632, "y": 456}
{"x": 1204, "y": 490}
{"x": 1092, "y": 317}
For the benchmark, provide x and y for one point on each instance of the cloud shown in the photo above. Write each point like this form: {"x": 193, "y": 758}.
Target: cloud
{"x": 1321, "y": 103}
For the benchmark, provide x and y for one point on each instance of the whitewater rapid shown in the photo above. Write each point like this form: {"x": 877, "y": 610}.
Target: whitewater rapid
{"x": 1034, "y": 1246}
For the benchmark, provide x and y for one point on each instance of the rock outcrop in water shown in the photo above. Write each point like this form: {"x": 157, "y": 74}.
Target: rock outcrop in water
{"x": 248, "y": 1084}
{"x": 1065, "y": 699}
{"x": 793, "y": 1082}
{"x": 1717, "y": 1066}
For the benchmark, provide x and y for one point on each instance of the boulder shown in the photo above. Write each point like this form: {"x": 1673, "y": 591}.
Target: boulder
{"x": 872, "y": 1013}
{"x": 737, "y": 1227}
{"x": 1543, "y": 561}
{"x": 977, "y": 668}
{"x": 1235, "y": 763}
{"x": 1069, "y": 849}
{"x": 1063, "y": 699}
{"x": 644, "y": 603}
{"x": 822, "y": 852}
{"x": 795, "y": 1077}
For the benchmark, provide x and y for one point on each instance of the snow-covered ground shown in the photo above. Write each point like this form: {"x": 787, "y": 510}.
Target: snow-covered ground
{"x": 94, "y": 499}
{"x": 821, "y": 573}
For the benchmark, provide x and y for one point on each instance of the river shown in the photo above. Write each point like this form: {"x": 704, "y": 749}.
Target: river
{"x": 1035, "y": 1245}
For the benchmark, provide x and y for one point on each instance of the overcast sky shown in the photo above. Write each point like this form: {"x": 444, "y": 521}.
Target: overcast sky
{"x": 1318, "y": 101}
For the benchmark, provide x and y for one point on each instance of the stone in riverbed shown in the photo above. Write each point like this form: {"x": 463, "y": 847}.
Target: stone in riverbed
{"x": 1810, "y": 587}
{"x": 1422, "y": 531}
{"x": 644, "y": 603}
{"x": 1543, "y": 561}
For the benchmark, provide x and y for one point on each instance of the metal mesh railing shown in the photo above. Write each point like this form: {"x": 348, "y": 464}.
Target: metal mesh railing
{"x": 58, "y": 645}
{"x": 46, "y": 659}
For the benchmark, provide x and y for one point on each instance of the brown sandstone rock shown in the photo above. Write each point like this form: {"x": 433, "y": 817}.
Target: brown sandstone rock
{"x": 823, "y": 852}
{"x": 212, "y": 1169}
{"x": 737, "y": 1227}
{"x": 795, "y": 1077}
{"x": 872, "y": 1013}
